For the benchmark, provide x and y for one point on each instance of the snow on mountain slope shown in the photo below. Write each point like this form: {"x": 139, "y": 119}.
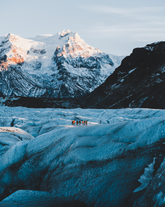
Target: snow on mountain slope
{"x": 99, "y": 164}
{"x": 60, "y": 65}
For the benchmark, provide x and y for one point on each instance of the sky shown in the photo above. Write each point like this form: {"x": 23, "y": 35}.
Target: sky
{"x": 113, "y": 26}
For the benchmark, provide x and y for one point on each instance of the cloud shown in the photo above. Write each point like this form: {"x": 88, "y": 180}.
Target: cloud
{"x": 130, "y": 23}
{"x": 122, "y": 11}
{"x": 132, "y": 32}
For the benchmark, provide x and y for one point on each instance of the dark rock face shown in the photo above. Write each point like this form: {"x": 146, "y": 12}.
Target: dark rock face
{"x": 32, "y": 102}
{"x": 3, "y": 58}
{"x": 138, "y": 82}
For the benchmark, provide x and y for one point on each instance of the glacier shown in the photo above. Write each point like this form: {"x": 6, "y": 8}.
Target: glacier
{"x": 43, "y": 155}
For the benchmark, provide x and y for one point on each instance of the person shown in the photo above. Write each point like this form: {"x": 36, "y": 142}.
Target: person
{"x": 83, "y": 122}
{"x": 73, "y": 122}
{"x": 86, "y": 122}
{"x": 76, "y": 122}
{"x": 79, "y": 122}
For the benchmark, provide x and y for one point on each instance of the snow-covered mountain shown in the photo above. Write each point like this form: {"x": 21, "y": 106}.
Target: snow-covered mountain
{"x": 138, "y": 82}
{"x": 117, "y": 160}
{"x": 58, "y": 66}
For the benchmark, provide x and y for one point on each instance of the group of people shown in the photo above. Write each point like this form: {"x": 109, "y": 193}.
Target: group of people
{"x": 79, "y": 122}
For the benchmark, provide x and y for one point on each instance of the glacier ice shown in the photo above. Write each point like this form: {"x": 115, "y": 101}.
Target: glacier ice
{"x": 146, "y": 177}
{"x": 95, "y": 164}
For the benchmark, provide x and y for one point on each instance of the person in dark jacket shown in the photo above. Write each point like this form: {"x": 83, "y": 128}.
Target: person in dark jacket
{"x": 73, "y": 122}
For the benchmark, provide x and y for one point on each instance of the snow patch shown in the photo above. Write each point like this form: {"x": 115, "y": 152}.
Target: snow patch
{"x": 146, "y": 177}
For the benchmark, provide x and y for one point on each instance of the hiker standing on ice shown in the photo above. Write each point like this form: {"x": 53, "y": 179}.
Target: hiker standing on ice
{"x": 73, "y": 122}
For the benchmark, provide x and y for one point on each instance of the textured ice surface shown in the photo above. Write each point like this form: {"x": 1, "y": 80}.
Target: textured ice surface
{"x": 97, "y": 164}
{"x": 146, "y": 177}
{"x": 10, "y": 136}
{"x": 35, "y": 198}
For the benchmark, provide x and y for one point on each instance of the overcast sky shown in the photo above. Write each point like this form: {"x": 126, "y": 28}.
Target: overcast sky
{"x": 113, "y": 26}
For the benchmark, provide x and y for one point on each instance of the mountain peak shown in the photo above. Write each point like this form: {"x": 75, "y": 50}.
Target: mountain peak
{"x": 60, "y": 65}
{"x": 65, "y": 32}
{"x": 11, "y": 36}
{"x": 8, "y": 35}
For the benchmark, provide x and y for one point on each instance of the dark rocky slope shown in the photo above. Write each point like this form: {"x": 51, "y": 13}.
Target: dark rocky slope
{"x": 32, "y": 102}
{"x": 138, "y": 82}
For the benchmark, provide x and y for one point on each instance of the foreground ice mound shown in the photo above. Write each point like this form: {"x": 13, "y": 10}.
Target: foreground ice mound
{"x": 36, "y": 198}
{"x": 10, "y": 136}
{"x": 98, "y": 164}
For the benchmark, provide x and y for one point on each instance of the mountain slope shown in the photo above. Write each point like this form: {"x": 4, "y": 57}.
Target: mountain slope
{"x": 52, "y": 66}
{"x": 138, "y": 82}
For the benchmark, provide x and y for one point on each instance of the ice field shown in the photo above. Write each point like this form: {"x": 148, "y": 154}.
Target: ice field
{"x": 98, "y": 164}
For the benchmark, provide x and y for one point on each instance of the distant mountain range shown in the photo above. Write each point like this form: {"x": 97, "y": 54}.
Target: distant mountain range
{"x": 52, "y": 66}
{"x": 63, "y": 71}
{"x": 139, "y": 82}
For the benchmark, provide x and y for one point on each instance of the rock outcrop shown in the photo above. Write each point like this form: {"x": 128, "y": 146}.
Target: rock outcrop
{"x": 138, "y": 82}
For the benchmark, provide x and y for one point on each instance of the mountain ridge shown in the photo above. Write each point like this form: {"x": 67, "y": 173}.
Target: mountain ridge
{"x": 138, "y": 82}
{"x": 52, "y": 66}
